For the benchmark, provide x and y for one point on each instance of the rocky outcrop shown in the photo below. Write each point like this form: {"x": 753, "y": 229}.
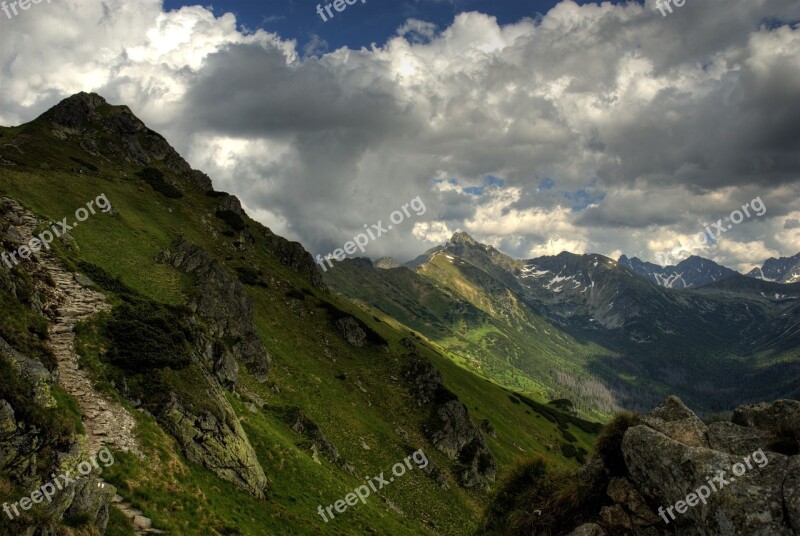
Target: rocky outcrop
{"x": 779, "y": 417}
{"x": 352, "y": 331}
{"x": 217, "y": 442}
{"x": 450, "y": 428}
{"x": 225, "y": 307}
{"x": 297, "y": 420}
{"x": 294, "y": 256}
{"x": 673, "y": 459}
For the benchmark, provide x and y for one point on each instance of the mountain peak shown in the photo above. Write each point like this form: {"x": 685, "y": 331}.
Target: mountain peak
{"x": 386, "y": 263}
{"x": 77, "y": 111}
{"x": 112, "y": 131}
{"x": 463, "y": 238}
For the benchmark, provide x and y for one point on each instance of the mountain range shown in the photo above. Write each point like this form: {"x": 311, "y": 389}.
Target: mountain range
{"x": 631, "y": 333}
{"x": 695, "y": 272}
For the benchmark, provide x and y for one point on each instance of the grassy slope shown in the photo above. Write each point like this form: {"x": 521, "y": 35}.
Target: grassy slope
{"x": 507, "y": 343}
{"x": 186, "y": 499}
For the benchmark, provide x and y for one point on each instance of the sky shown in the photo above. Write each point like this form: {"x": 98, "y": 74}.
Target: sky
{"x": 536, "y": 126}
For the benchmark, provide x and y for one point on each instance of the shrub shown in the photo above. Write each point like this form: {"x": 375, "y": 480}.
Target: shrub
{"x": 83, "y": 163}
{"x": 609, "y": 442}
{"x": 233, "y": 220}
{"x": 251, "y": 277}
{"x": 533, "y": 502}
{"x": 104, "y": 280}
{"x": 568, "y": 436}
{"x": 155, "y": 178}
{"x": 147, "y": 335}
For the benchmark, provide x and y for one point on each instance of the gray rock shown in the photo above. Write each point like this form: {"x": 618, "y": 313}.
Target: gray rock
{"x": 791, "y": 493}
{"x": 588, "y": 529}
{"x": 230, "y": 203}
{"x": 222, "y": 446}
{"x": 352, "y": 332}
{"x": 451, "y": 430}
{"x": 8, "y": 421}
{"x": 734, "y": 439}
{"x": 457, "y": 436}
{"x": 666, "y": 471}
{"x": 83, "y": 281}
{"x": 673, "y": 419}
{"x": 778, "y": 417}
{"x": 32, "y": 371}
{"x": 298, "y": 421}
{"x": 13, "y": 234}
{"x": 294, "y": 256}
{"x": 226, "y": 308}
{"x": 623, "y": 492}
{"x": 202, "y": 180}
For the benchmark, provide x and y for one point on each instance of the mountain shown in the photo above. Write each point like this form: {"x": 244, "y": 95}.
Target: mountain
{"x": 588, "y": 328}
{"x": 236, "y": 391}
{"x": 692, "y": 272}
{"x": 783, "y": 270}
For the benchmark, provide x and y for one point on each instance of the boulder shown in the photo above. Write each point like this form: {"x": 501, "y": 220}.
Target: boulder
{"x": 673, "y": 419}
{"x": 667, "y": 461}
{"x": 734, "y": 439}
{"x": 588, "y": 529}
{"x": 352, "y": 331}
{"x": 220, "y": 445}
{"x": 779, "y": 417}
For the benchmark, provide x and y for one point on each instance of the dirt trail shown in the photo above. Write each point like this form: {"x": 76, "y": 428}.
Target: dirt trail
{"x": 68, "y": 302}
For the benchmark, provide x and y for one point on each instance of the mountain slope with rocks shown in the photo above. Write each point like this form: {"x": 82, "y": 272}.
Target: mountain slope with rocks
{"x": 236, "y": 391}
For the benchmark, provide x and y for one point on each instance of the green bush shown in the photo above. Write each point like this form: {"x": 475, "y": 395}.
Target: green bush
{"x": 83, "y": 163}
{"x": 534, "y": 502}
{"x": 104, "y": 280}
{"x": 233, "y": 220}
{"x": 609, "y": 442}
{"x": 155, "y": 178}
{"x": 147, "y": 335}
{"x": 251, "y": 277}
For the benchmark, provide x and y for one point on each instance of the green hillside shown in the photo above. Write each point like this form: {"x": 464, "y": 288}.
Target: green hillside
{"x": 359, "y": 398}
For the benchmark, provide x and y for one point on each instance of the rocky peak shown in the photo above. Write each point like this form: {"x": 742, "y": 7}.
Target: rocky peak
{"x": 462, "y": 239}
{"x": 386, "y": 263}
{"x": 77, "y": 111}
{"x": 91, "y": 118}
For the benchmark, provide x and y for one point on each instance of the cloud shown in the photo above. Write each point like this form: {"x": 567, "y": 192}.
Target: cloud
{"x": 611, "y": 128}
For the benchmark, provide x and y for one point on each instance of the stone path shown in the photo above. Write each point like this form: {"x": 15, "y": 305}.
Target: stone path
{"x": 67, "y": 302}
{"x": 141, "y": 524}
